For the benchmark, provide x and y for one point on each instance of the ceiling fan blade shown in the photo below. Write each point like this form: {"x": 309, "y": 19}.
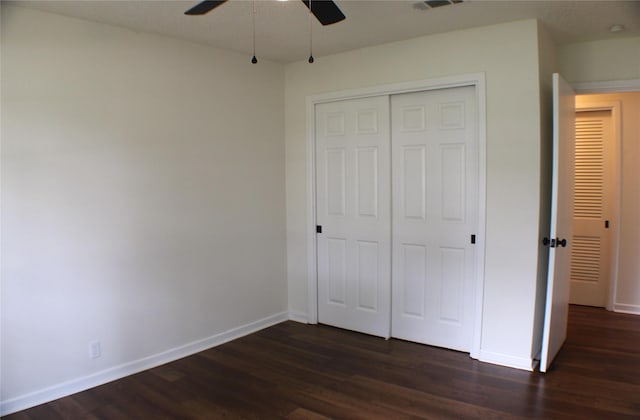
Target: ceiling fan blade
{"x": 204, "y": 7}
{"x": 326, "y": 11}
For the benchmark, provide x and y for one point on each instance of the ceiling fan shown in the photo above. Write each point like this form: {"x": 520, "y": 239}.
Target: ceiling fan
{"x": 326, "y": 11}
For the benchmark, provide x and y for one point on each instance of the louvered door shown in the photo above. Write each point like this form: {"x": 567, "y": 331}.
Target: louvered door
{"x": 592, "y": 213}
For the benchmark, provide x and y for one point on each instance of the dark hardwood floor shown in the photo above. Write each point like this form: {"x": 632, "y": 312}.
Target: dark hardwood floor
{"x": 298, "y": 371}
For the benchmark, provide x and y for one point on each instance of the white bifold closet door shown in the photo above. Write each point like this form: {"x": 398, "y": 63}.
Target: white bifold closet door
{"x": 396, "y": 196}
{"x": 353, "y": 209}
{"x": 435, "y": 207}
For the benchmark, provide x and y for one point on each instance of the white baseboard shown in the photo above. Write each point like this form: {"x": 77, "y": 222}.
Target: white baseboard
{"x": 83, "y": 383}
{"x": 508, "y": 360}
{"x": 627, "y": 309}
{"x": 298, "y": 317}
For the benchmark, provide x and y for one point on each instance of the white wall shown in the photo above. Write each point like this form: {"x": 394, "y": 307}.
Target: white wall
{"x": 143, "y": 199}
{"x": 613, "y": 59}
{"x": 628, "y": 286}
{"x": 508, "y": 54}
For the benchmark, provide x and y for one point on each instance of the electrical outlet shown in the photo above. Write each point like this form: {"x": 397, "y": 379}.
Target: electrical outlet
{"x": 95, "y": 350}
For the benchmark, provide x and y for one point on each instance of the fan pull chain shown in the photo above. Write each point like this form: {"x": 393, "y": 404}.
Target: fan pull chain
{"x": 310, "y": 33}
{"x": 254, "y": 60}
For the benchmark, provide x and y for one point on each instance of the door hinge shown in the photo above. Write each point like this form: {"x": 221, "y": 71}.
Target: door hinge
{"x": 606, "y": 224}
{"x": 318, "y": 229}
{"x": 473, "y": 239}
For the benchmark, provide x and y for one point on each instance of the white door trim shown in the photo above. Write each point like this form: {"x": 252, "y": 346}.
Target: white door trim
{"x": 474, "y": 79}
{"x": 615, "y": 108}
{"x": 609, "y": 86}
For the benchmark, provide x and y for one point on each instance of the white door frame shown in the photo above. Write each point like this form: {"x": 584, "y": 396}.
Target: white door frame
{"x": 609, "y": 86}
{"x": 615, "y": 109}
{"x": 474, "y": 79}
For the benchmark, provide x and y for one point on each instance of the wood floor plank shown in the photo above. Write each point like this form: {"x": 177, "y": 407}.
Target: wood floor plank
{"x": 416, "y": 403}
{"x": 298, "y": 371}
{"x": 304, "y": 414}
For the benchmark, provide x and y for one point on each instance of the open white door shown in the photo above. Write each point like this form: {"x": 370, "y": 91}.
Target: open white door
{"x": 594, "y": 208}
{"x": 557, "y": 305}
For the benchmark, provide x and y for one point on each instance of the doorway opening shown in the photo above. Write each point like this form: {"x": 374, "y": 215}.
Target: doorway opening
{"x": 605, "y": 268}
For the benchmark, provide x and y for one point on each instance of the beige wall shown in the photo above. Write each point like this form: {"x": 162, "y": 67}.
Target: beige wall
{"x": 616, "y": 59}
{"x": 508, "y": 54}
{"x": 143, "y": 199}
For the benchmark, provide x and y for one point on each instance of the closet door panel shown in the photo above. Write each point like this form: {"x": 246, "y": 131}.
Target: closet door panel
{"x": 353, "y": 208}
{"x": 434, "y": 183}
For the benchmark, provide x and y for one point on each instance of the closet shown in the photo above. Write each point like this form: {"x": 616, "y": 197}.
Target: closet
{"x": 397, "y": 214}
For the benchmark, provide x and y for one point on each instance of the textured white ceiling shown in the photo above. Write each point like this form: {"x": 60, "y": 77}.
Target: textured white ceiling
{"x": 282, "y": 28}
